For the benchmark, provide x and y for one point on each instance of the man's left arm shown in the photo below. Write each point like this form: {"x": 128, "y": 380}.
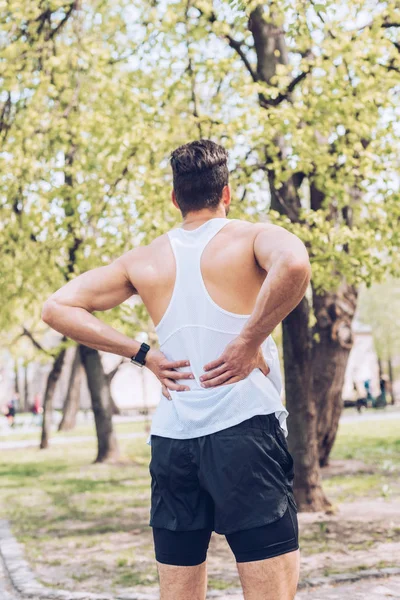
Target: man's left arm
{"x": 69, "y": 311}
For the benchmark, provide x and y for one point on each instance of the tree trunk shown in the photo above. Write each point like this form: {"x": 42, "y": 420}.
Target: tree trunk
{"x": 48, "y": 398}
{"x": 71, "y": 404}
{"x": 302, "y": 438}
{"x": 109, "y": 377}
{"x": 332, "y": 342}
{"x": 16, "y": 381}
{"x": 380, "y": 367}
{"x": 26, "y": 389}
{"x": 115, "y": 410}
{"x": 101, "y": 404}
{"x": 270, "y": 48}
{"x": 391, "y": 379}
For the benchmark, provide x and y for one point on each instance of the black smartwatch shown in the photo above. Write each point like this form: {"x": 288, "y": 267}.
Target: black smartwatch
{"x": 140, "y": 358}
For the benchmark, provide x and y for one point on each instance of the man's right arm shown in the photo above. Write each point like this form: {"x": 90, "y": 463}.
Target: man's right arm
{"x": 285, "y": 259}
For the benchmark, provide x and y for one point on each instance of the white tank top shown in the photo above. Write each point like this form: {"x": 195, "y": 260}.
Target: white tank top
{"x": 195, "y": 328}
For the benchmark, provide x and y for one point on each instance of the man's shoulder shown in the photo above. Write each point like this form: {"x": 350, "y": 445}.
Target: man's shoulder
{"x": 262, "y": 226}
{"x": 157, "y": 244}
{"x": 252, "y": 228}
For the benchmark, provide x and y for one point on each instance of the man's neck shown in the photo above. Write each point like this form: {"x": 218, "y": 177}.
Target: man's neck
{"x": 201, "y": 217}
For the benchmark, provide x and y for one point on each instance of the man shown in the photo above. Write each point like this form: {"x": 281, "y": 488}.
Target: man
{"x": 215, "y": 289}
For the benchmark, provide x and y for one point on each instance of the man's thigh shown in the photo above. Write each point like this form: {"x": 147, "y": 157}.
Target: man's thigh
{"x": 268, "y": 558}
{"x": 274, "y": 578}
{"x": 181, "y": 563}
{"x": 266, "y": 541}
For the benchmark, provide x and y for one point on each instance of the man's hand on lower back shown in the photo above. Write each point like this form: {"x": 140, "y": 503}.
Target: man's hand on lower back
{"x": 235, "y": 363}
{"x": 164, "y": 370}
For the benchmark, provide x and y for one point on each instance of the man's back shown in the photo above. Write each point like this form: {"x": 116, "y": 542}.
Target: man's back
{"x": 212, "y": 279}
{"x": 230, "y": 271}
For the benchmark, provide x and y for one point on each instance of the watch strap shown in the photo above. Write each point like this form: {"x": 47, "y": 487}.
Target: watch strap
{"x": 140, "y": 356}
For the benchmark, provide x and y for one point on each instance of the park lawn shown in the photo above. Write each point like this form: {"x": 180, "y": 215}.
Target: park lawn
{"x": 85, "y": 526}
{"x": 88, "y": 519}
{"x": 377, "y": 444}
{"x": 80, "y": 430}
{"x": 374, "y": 442}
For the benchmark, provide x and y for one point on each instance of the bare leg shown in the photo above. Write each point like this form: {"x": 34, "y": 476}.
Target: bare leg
{"x": 270, "y": 579}
{"x": 182, "y": 583}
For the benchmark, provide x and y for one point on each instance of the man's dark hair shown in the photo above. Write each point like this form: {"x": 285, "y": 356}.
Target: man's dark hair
{"x": 200, "y": 172}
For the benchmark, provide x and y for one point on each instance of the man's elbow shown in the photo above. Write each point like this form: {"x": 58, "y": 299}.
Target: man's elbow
{"x": 299, "y": 268}
{"x": 49, "y": 311}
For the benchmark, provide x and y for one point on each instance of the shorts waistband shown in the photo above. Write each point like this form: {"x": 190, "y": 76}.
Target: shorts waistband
{"x": 257, "y": 422}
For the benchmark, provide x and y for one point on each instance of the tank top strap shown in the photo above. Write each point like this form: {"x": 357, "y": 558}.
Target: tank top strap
{"x": 188, "y": 246}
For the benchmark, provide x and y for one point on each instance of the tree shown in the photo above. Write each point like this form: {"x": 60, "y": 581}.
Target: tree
{"x": 48, "y": 398}
{"x": 101, "y": 404}
{"x": 72, "y": 398}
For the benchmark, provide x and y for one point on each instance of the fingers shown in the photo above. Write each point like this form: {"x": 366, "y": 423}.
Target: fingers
{"x": 231, "y": 380}
{"x": 214, "y": 363}
{"x": 171, "y": 385}
{"x": 177, "y": 374}
{"x": 213, "y": 373}
{"x": 218, "y": 380}
{"x": 176, "y": 364}
{"x": 265, "y": 368}
{"x": 166, "y": 392}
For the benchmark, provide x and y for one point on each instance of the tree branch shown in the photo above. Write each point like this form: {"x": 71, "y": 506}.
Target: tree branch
{"x": 28, "y": 334}
{"x": 111, "y": 374}
{"x": 286, "y": 94}
{"x": 73, "y": 6}
{"x": 237, "y": 46}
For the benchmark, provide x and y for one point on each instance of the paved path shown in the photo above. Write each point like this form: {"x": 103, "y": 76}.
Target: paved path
{"x": 376, "y": 589}
{"x": 370, "y": 589}
{"x": 371, "y": 414}
{"x": 64, "y": 440}
{"x": 6, "y": 591}
{"x": 373, "y": 589}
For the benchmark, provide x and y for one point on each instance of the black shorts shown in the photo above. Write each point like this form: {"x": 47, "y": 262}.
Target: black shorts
{"x": 235, "y": 480}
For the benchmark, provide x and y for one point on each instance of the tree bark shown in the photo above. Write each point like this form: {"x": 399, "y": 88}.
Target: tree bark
{"x": 71, "y": 404}
{"x": 48, "y": 399}
{"x": 115, "y": 410}
{"x": 380, "y": 367}
{"x": 110, "y": 376}
{"x": 391, "y": 379}
{"x": 26, "y": 389}
{"x": 302, "y": 440}
{"x": 16, "y": 381}
{"x": 332, "y": 342}
{"x": 107, "y": 450}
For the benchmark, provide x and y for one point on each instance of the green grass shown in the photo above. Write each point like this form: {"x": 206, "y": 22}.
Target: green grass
{"x": 66, "y": 509}
{"x": 81, "y": 430}
{"x": 376, "y": 443}
{"x": 60, "y": 504}
{"x": 218, "y": 584}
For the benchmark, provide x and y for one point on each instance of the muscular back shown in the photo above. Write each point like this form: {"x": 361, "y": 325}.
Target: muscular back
{"x": 229, "y": 268}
